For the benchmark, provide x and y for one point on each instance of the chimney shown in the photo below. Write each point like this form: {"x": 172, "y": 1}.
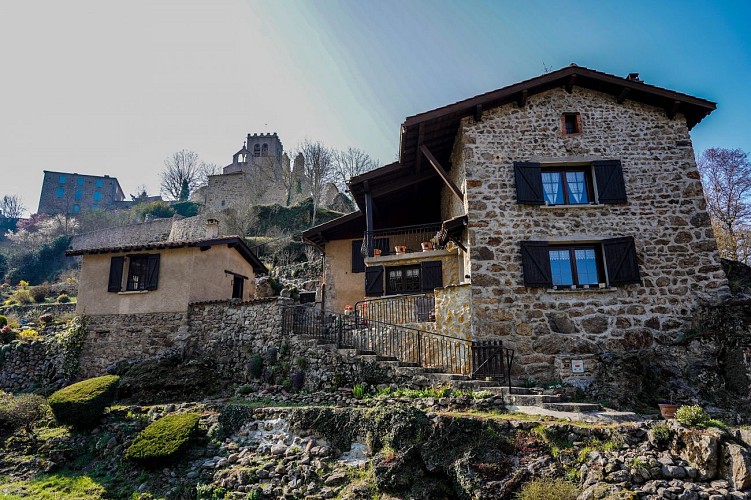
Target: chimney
{"x": 634, "y": 77}
{"x": 212, "y": 228}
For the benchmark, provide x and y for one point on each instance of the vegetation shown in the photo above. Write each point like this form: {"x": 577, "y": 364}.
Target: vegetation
{"x": 692, "y": 416}
{"x": 22, "y": 411}
{"x": 661, "y": 435}
{"x": 548, "y": 489}
{"x": 358, "y": 391}
{"x": 53, "y": 487}
{"x": 162, "y": 440}
{"x": 83, "y": 403}
{"x": 255, "y": 366}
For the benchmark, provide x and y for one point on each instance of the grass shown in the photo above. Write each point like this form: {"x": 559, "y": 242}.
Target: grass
{"x": 62, "y": 485}
{"x": 548, "y": 489}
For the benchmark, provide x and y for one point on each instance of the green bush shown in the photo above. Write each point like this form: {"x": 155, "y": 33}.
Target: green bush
{"x": 63, "y": 298}
{"x": 162, "y": 440}
{"x": 39, "y": 293}
{"x": 548, "y": 489}
{"x": 21, "y": 411}
{"x": 255, "y": 367}
{"x": 3, "y": 321}
{"x": 661, "y": 435}
{"x": 358, "y": 391}
{"x": 22, "y": 297}
{"x": 691, "y": 416}
{"x": 83, "y": 403}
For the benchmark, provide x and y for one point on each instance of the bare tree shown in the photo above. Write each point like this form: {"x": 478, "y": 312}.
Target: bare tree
{"x": 183, "y": 166}
{"x": 349, "y": 163}
{"x": 726, "y": 175}
{"x": 205, "y": 170}
{"x": 318, "y": 169}
{"x": 12, "y": 207}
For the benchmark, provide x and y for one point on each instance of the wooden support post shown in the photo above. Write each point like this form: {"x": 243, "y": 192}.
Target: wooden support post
{"x": 570, "y": 84}
{"x": 420, "y": 138}
{"x": 444, "y": 175}
{"x": 521, "y": 99}
{"x": 369, "y": 219}
{"x": 673, "y": 109}
{"x": 623, "y": 95}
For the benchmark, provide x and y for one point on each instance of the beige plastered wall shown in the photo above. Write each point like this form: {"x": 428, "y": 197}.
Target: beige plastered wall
{"x": 186, "y": 275}
{"x": 343, "y": 287}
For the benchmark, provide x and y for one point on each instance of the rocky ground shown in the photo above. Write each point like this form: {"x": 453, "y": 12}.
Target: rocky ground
{"x": 335, "y": 446}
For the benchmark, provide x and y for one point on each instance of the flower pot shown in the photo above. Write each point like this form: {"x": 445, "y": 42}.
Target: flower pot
{"x": 376, "y": 252}
{"x": 667, "y": 410}
{"x": 426, "y": 246}
{"x": 400, "y": 249}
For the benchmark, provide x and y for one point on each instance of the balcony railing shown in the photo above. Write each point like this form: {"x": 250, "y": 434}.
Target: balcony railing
{"x": 409, "y": 238}
{"x": 411, "y": 346}
{"x": 397, "y": 309}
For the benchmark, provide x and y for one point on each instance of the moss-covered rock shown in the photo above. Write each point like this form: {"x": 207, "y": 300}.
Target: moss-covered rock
{"x": 162, "y": 440}
{"x": 83, "y": 403}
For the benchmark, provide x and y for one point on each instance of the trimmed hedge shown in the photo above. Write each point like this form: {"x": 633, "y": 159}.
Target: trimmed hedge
{"x": 161, "y": 441}
{"x": 83, "y": 403}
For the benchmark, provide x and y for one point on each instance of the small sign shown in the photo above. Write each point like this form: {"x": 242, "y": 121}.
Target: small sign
{"x": 577, "y": 366}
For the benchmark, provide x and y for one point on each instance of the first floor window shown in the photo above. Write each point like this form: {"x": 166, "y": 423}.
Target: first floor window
{"x": 137, "y": 271}
{"x": 405, "y": 279}
{"x": 142, "y": 272}
{"x": 567, "y": 187}
{"x": 60, "y": 192}
{"x": 238, "y": 284}
{"x": 578, "y": 266}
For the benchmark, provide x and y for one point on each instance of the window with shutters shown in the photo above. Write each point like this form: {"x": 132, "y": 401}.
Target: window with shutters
{"x": 402, "y": 279}
{"x": 567, "y": 186}
{"x": 571, "y": 123}
{"x": 143, "y": 272}
{"x": 554, "y": 265}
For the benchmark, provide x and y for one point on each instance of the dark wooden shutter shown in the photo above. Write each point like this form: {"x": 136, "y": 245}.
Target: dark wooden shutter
{"x": 610, "y": 185}
{"x": 528, "y": 183}
{"x": 382, "y": 244}
{"x": 431, "y": 275}
{"x": 621, "y": 261}
{"x": 536, "y": 264}
{"x": 116, "y": 274}
{"x": 358, "y": 262}
{"x": 152, "y": 272}
{"x": 374, "y": 281}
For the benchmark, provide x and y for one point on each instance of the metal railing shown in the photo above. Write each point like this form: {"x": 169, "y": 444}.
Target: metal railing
{"x": 397, "y": 309}
{"x": 410, "y": 238}
{"x": 411, "y": 346}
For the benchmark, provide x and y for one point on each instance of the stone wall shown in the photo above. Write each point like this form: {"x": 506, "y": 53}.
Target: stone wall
{"x": 665, "y": 215}
{"x": 145, "y": 232}
{"x": 33, "y": 311}
{"x": 30, "y": 365}
{"x": 453, "y": 315}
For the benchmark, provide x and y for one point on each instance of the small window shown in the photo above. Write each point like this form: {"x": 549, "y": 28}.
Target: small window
{"x": 79, "y": 181}
{"x": 79, "y": 194}
{"x": 575, "y": 266}
{"x": 238, "y": 284}
{"x": 60, "y": 192}
{"x": 76, "y": 208}
{"x": 95, "y": 207}
{"x": 257, "y": 150}
{"x": 62, "y": 179}
{"x": 143, "y": 272}
{"x": 403, "y": 279}
{"x": 99, "y": 183}
{"x": 571, "y": 123}
{"x": 97, "y": 196}
{"x": 567, "y": 186}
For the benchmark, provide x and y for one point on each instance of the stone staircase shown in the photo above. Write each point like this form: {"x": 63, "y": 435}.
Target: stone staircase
{"x": 423, "y": 376}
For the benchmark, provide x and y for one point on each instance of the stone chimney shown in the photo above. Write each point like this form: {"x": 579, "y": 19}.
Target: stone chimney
{"x": 212, "y": 228}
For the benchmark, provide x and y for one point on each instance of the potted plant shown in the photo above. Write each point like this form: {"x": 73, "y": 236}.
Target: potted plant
{"x": 668, "y": 408}
{"x": 400, "y": 249}
{"x": 376, "y": 252}
{"x": 426, "y": 246}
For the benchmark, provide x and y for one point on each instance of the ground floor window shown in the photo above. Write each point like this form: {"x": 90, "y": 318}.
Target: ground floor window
{"x": 403, "y": 279}
{"x": 579, "y": 266}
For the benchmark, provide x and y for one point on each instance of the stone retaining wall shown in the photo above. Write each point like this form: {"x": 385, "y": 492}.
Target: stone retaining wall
{"x": 33, "y": 311}
{"x": 29, "y": 365}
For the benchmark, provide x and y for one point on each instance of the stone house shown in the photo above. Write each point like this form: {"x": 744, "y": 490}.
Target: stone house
{"x": 71, "y": 193}
{"x": 563, "y": 215}
{"x": 165, "y": 276}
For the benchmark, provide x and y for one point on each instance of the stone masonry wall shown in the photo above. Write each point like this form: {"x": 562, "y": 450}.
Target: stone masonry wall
{"x": 145, "y": 232}
{"x": 665, "y": 214}
{"x": 28, "y": 365}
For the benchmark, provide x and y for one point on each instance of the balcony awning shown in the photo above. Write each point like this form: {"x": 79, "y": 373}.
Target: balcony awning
{"x": 452, "y": 229}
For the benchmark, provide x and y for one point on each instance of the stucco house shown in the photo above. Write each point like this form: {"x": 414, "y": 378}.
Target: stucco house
{"x": 563, "y": 215}
{"x": 165, "y": 276}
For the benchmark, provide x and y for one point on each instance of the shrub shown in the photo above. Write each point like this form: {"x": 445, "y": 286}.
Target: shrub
{"x": 358, "y": 391}
{"x": 29, "y": 335}
{"x": 46, "y": 318}
{"x": 63, "y": 298}
{"x": 255, "y": 366}
{"x": 22, "y": 411}
{"x": 83, "y": 403}
{"x": 691, "y": 416}
{"x": 298, "y": 379}
{"x": 22, "y": 296}
{"x": 162, "y": 440}
{"x": 244, "y": 389}
{"x": 3, "y": 321}
{"x": 7, "y": 334}
{"x": 39, "y": 293}
{"x": 548, "y": 489}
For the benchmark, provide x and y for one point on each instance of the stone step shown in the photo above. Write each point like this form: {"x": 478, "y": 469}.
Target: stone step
{"x": 573, "y": 407}
{"x": 530, "y": 399}
{"x": 503, "y": 390}
{"x": 386, "y": 358}
{"x": 448, "y": 377}
{"x": 475, "y": 385}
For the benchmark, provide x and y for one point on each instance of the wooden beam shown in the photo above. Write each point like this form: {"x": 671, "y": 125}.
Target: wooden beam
{"x": 570, "y": 84}
{"x": 478, "y": 113}
{"x": 401, "y": 183}
{"x": 623, "y": 95}
{"x": 673, "y": 109}
{"x": 420, "y": 139}
{"x": 369, "y": 221}
{"x": 521, "y": 99}
{"x": 444, "y": 175}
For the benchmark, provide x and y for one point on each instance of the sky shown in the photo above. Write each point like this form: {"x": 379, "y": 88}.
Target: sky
{"x": 110, "y": 87}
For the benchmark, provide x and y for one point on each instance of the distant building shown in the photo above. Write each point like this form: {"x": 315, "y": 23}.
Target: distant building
{"x": 72, "y": 193}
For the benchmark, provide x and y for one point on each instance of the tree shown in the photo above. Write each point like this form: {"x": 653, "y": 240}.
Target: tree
{"x": 183, "y": 166}
{"x": 726, "y": 175}
{"x": 349, "y": 163}
{"x": 12, "y": 207}
{"x": 318, "y": 168}
{"x": 205, "y": 170}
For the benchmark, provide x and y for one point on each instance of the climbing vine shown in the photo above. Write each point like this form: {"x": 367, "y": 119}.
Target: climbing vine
{"x": 70, "y": 342}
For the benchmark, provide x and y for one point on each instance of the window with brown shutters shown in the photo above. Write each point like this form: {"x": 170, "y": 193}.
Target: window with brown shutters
{"x": 143, "y": 272}
{"x": 621, "y": 262}
{"x": 571, "y": 124}
{"x": 374, "y": 281}
{"x": 528, "y": 183}
{"x": 600, "y": 182}
{"x": 611, "y": 187}
{"x": 536, "y": 264}
{"x": 116, "y": 274}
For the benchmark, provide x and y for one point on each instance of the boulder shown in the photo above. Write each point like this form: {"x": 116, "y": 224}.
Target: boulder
{"x": 699, "y": 447}
{"x": 737, "y": 465}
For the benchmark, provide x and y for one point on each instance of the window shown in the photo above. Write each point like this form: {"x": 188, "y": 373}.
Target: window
{"x": 95, "y": 207}
{"x": 403, "y": 279}
{"x": 552, "y": 265}
{"x": 567, "y": 186}
{"x": 600, "y": 182}
{"x": 257, "y": 150}
{"x": 60, "y": 192}
{"x": 79, "y": 181}
{"x": 237, "y": 287}
{"x": 62, "y": 179}
{"x": 79, "y": 194}
{"x": 99, "y": 183}
{"x": 76, "y": 208}
{"x": 143, "y": 272}
{"x": 571, "y": 123}
{"x": 97, "y": 196}
{"x": 265, "y": 150}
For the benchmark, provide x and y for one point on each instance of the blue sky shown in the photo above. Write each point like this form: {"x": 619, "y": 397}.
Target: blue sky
{"x": 115, "y": 87}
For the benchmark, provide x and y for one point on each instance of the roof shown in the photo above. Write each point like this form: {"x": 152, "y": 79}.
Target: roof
{"x": 347, "y": 226}
{"x": 438, "y": 127}
{"x": 231, "y": 241}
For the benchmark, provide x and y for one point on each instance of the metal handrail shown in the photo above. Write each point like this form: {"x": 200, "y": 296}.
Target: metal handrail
{"x": 371, "y": 238}
{"x": 397, "y": 309}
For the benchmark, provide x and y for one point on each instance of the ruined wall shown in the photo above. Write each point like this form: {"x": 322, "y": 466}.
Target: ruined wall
{"x": 145, "y": 232}
{"x": 665, "y": 214}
